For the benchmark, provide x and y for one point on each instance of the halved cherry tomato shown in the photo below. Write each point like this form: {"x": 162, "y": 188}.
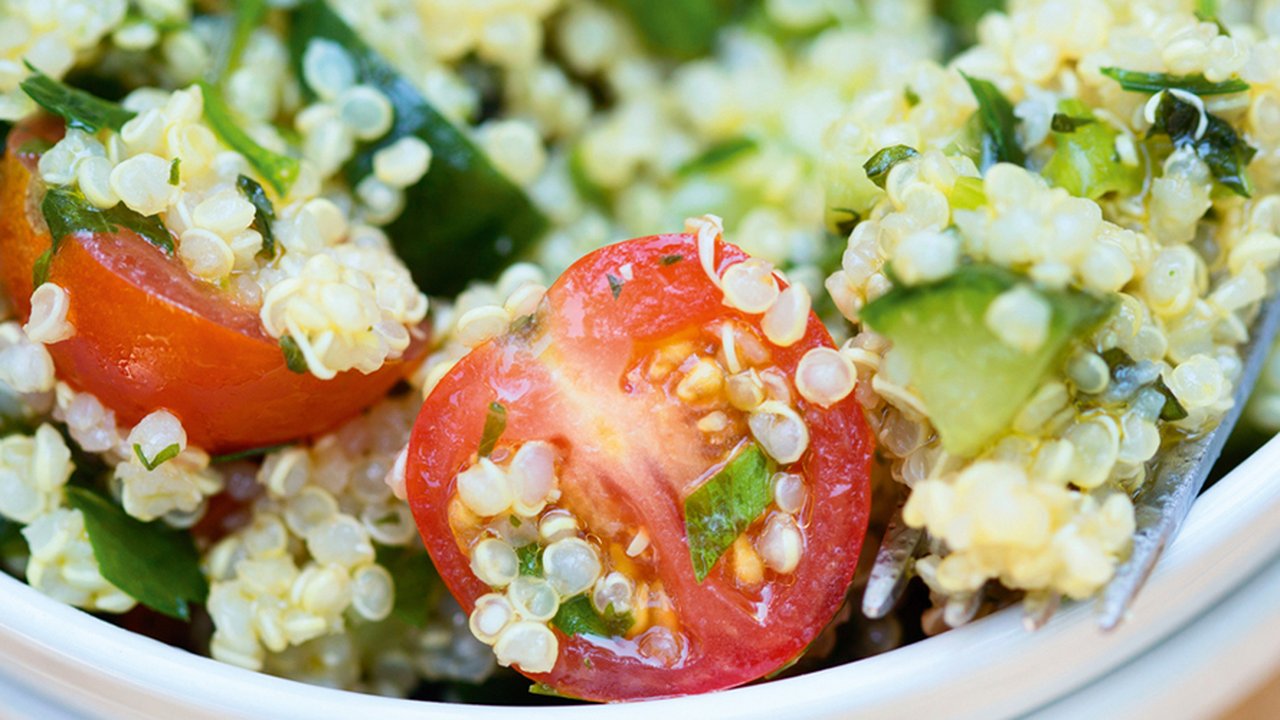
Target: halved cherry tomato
{"x": 148, "y": 335}
{"x": 596, "y": 374}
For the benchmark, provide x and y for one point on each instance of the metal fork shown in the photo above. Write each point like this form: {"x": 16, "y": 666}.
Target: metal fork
{"x": 1160, "y": 508}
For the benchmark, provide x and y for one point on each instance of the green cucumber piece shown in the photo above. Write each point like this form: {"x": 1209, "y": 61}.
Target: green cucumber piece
{"x": 972, "y": 384}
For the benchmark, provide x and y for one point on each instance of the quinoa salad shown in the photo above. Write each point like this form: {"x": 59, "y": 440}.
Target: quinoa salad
{"x": 545, "y": 351}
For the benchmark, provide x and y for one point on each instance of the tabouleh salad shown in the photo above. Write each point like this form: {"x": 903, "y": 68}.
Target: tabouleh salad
{"x": 326, "y": 352}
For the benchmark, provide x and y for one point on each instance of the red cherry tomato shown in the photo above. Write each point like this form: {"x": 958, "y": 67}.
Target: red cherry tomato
{"x": 596, "y": 373}
{"x": 149, "y": 335}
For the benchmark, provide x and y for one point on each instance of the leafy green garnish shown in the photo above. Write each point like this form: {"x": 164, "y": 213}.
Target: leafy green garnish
{"x": 997, "y": 124}
{"x": 175, "y": 171}
{"x": 968, "y": 193}
{"x": 264, "y": 215}
{"x": 278, "y": 170}
{"x": 495, "y": 422}
{"x": 717, "y": 155}
{"x": 576, "y": 616}
{"x": 67, "y": 212}
{"x": 161, "y": 457}
{"x": 293, "y": 357}
{"x": 1220, "y": 147}
{"x": 249, "y": 15}
{"x": 879, "y": 165}
{"x": 1064, "y": 123}
{"x": 963, "y": 17}
{"x": 1152, "y": 82}
{"x": 78, "y": 108}
{"x": 723, "y": 507}
{"x": 152, "y": 563}
{"x": 464, "y": 219}
{"x": 911, "y": 96}
{"x": 849, "y": 220}
{"x": 1085, "y": 162}
{"x": 683, "y": 28}
{"x": 418, "y": 586}
{"x": 248, "y": 453}
{"x": 615, "y": 285}
{"x": 530, "y": 559}
{"x": 971, "y": 382}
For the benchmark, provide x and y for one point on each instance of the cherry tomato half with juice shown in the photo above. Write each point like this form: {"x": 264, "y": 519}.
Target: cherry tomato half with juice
{"x": 595, "y": 496}
{"x": 149, "y": 335}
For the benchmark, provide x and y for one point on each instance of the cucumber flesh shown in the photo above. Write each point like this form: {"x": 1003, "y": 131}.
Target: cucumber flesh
{"x": 972, "y": 384}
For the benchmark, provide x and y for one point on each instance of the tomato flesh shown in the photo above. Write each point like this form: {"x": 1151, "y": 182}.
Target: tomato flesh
{"x": 148, "y": 335}
{"x": 596, "y": 374}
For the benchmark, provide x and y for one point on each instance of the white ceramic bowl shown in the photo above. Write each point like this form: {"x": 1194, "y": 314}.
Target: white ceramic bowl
{"x": 60, "y": 662}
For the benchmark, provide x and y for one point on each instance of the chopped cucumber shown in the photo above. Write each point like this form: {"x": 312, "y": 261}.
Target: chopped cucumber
{"x": 1085, "y": 162}
{"x": 972, "y": 384}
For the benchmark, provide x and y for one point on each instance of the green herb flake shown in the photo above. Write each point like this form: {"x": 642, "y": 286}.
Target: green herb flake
{"x": 615, "y": 285}
{"x": 1063, "y": 123}
{"x": 670, "y": 259}
{"x": 280, "y": 171}
{"x": 717, "y": 156}
{"x": 684, "y": 29}
{"x": 418, "y": 589}
{"x": 576, "y": 616}
{"x": 1084, "y": 161}
{"x": 247, "y": 454}
{"x": 997, "y": 125}
{"x": 495, "y": 423}
{"x": 152, "y": 563}
{"x": 264, "y": 215}
{"x": 1150, "y": 82}
{"x": 293, "y": 357}
{"x": 879, "y": 165}
{"x": 78, "y": 108}
{"x": 530, "y": 557}
{"x": 68, "y": 213}
{"x": 723, "y": 507}
{"x": 161, "y": 457}
{"x": 846, "y": 224}
{"x": 912, "y": 98}
{"x": 546, "y": 690}
{"x": 464, "y": 219}
{"x": 1220, "y": 147}
{"x": 175, "y": 172}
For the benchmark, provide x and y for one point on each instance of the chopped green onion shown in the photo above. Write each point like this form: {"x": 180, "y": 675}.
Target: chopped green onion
{"x": 278, "y": 170}
{"x": 161, "y": 457}
{"x": 175, "y": 171}
{"x": 495, "y": 423}
{"x": 997, "y": 125}
{"x": 724, "y": 506}
{"x": 1152, "y": 82}
{"x": 78, "y": 108}
{"x": 879, "y": 165}
{"x": 152, "y": 563}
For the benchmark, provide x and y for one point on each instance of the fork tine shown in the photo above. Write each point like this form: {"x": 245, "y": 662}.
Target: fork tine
{"x": 892, "y": 568}
{"x": 1163, "y": 506}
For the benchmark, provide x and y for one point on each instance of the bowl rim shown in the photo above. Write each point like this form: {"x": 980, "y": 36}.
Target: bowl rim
{"x": 991, "y": 667}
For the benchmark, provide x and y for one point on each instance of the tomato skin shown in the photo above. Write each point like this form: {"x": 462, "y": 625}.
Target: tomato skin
{"x": 150, "y": 336}
{"x": 591, "y": 328}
